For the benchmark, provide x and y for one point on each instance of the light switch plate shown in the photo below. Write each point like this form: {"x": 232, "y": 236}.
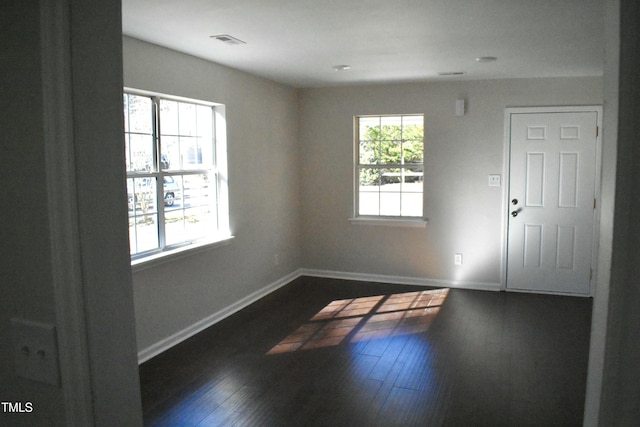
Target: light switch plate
{"x": 35, "y": 350}
{"x": 495, "y": 180}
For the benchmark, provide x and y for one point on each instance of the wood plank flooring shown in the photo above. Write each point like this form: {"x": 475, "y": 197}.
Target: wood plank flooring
{"x": 326, "y": 352}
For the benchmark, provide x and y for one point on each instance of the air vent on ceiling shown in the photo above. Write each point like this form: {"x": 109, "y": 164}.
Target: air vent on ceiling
{"x": 226, "y": 38}
{"x": 451, "y": 73}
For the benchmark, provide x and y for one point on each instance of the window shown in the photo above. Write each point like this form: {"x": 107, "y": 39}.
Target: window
{"x": 176, "y": 185}
{"x": 389, "y": 166}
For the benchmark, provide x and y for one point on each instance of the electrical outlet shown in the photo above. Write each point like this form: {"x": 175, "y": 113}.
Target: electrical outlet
{"x": 35, "y": 351}
{"x": 495, "y": 180}
{"x": 457, "y": 259}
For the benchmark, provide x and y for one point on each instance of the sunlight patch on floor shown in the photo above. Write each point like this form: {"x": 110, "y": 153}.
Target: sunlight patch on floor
{"x": 365, "y": 318}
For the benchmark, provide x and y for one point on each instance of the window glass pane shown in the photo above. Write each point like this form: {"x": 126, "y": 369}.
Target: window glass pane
{"x": 390, "y": 179}
{"x": 391, "y": 128}
{"x": 141, "y": 193}
{"x": 169, "y": 117}
{"x": 205, "y": 121}
{"x": 174, "y": 226}
{"x": 370, "y": 177}
{"x": 413, "y": 126}
{"x": 391, "y": 152}
{"x": 187, "y": 124}
{"x": 172, "y": 194}
{"x": 191, "y": 216}
{"x": 369, "y": 203}
{"x": 146, "y": 233}
{"x": 413, "y": 136}
{"x": 138, "y": 122}
{"x": 413, "y": 151}
{"x": 369, "y": 128}
{"x": 197, "y": 222}
{"x": 143, "y": 216}
{"x": 138, "y": 114}
{"x": 170, "y": 153}
{"x": 139, "y": 154}
{"x": 369, "y": 152}
{"x": 411, "y": 204}
{"x": 196, "y": 191}
{"x": 205, "y": 145}
{"x": 190, "y": 153}
{"x": 390, "y": 204}
{"x": 412, "y": 179}
{"x": 205, "y": 134}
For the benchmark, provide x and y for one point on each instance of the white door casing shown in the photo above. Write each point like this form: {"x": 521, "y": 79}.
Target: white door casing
{"x": 553, "y": 155}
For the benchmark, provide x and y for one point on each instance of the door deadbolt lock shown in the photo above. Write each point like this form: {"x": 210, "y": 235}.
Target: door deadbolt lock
{"x": 514, "y": 202}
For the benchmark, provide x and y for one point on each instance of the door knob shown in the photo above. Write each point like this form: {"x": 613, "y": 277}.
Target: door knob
{"x": 514, "y": 214}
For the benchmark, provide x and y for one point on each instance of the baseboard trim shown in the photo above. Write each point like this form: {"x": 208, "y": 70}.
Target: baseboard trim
{"x": 402, "y": 280}
{"x": 165, "y": 344}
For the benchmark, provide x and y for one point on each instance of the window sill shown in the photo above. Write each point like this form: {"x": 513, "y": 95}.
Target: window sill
{"x": 177, "y": 253}
{"x": 391, "y": 222}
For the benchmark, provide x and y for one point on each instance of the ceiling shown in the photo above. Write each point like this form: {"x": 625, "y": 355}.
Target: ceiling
{"x": 297, "y": 42}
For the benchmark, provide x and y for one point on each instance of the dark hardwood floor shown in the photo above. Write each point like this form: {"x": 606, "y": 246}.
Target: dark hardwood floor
{"x": 325, "y": 352}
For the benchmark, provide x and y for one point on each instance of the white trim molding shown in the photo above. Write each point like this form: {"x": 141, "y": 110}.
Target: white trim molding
{"x": 64, "y": 233}
{"x": 172, "y": 340}
{"x": 401, "y": 280}
{"x": 390, "y": 222}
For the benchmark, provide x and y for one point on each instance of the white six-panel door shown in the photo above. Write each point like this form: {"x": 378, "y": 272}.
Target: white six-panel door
{"x": 552, "y": 178}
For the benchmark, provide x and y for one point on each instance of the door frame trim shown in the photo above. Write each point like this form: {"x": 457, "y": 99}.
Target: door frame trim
{"x": 506, "y": 164}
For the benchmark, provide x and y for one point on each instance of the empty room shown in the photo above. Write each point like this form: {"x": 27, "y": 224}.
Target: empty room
{"x": 272, "y": 213}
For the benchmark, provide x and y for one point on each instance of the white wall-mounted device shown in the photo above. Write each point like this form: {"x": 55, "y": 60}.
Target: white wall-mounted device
{"x": 460, "y": 107}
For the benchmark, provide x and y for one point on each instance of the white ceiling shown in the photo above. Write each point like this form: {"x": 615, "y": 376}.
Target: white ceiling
{"x": 297, "y": 42}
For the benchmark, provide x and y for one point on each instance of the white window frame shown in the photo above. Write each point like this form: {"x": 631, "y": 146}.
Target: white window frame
{"x": 381, "y": 220}
{"x": 221, "y": 235}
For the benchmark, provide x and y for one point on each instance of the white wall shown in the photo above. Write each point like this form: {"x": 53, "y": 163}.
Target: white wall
{"x": 64, "y": 215}
{"x": 290, "y": 167}
{"x": 24, "y": 253}
{"x": 465, "y": 214}
{"x": 620, "y": 392}
{"x": 263, "y": 192}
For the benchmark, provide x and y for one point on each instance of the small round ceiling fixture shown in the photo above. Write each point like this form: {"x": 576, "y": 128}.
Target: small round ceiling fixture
{"x": 342, "y": 67}
{"x": 486, "y": 59}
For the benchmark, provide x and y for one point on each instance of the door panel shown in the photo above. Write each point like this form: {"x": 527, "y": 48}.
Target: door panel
{"x": 552, "y": 183}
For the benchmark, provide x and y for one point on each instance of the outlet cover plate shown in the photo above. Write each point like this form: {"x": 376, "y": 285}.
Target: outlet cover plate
{"x": 35, "y": 350}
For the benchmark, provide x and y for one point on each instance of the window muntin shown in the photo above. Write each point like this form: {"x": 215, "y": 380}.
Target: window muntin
{"x": 390, "y": 166}
{"x": 171, "y": 142}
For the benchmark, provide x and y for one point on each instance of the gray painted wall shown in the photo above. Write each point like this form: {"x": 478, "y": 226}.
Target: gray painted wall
{"x": 264, "y": 204}
{"x": 24, "y": 253}
{"x": 61, "y": 86}
{"x": 290, "y": 184}
{"x": 621, "y": 380}
{"x": 227, "y": 274}
{"x": 465, "y": 214}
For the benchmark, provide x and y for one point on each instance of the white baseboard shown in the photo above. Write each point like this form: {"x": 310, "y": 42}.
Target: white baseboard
{"x": 178, "y": 337}
{"x": 401, "y": 280}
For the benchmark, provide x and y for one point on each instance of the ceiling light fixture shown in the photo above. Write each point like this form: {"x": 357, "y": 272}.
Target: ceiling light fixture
{"x": 343, "y": 67}
{"x": 485, "y": 59}
{"x": 226, "y": 38}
